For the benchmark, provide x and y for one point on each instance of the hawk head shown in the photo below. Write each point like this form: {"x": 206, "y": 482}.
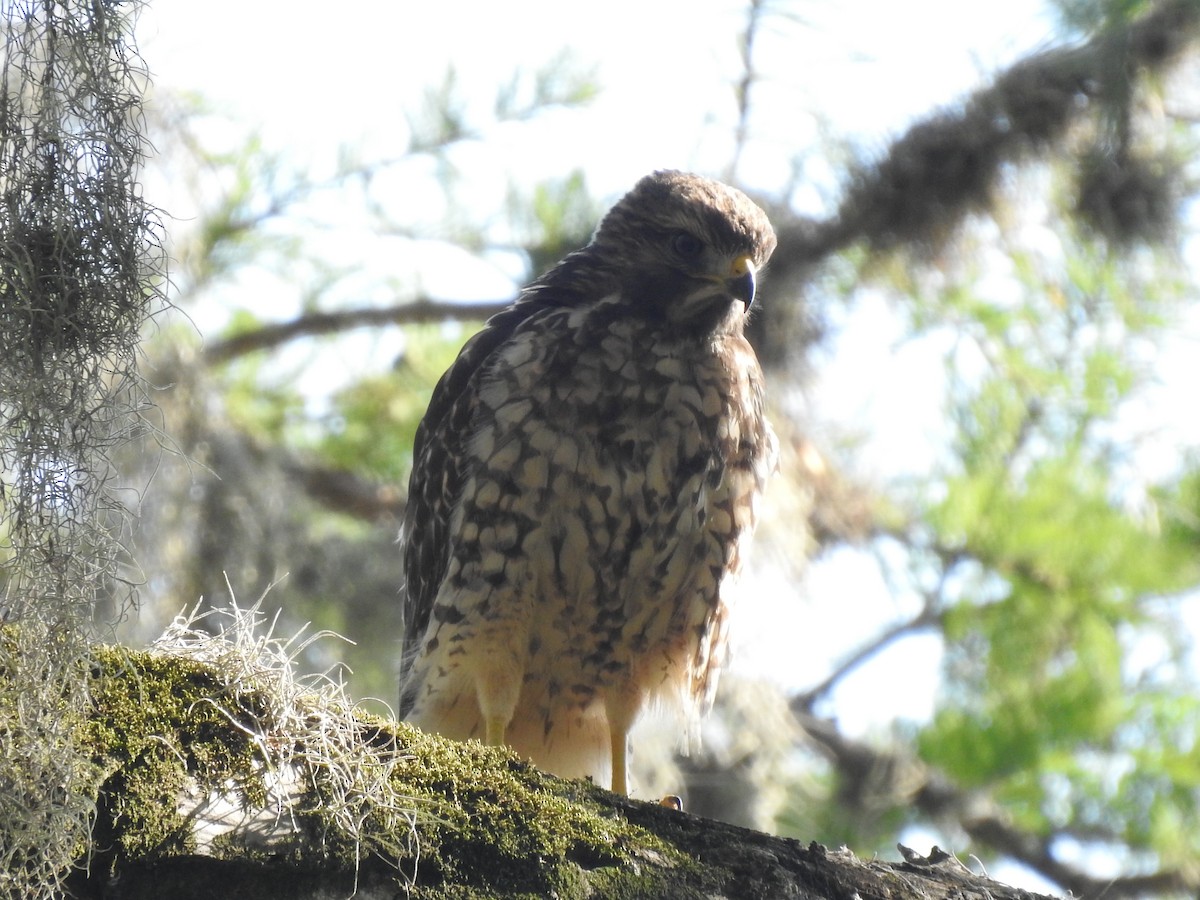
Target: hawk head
{"x": 685, "y": 249}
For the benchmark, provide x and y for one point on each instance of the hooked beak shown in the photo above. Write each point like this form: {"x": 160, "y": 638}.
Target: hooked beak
{"x": 741, "y": 280}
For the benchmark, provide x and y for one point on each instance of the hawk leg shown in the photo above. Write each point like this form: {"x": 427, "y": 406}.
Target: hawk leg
{"x": 620, "y": 745}
{"x": 494, "y": 731}
{"x": 497, "y": 689}
{"x": 621, "y": 705}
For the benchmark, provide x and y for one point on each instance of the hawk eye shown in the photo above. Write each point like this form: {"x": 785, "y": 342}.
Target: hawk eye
{"x": 687, "y": 245}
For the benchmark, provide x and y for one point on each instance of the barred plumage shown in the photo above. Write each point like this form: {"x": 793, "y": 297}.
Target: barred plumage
{"x": 585, "y": 483}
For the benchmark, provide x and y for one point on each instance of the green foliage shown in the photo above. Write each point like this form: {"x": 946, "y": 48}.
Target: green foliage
{"x": 450, "y": 114}
{"x": 370, "y": 426}
{"x": 1058, "y": 567}
{"x": 261, "y": 400}
{"x": 1090, "y": 15}
{"x": 557, "y": 218}
{"x": 251, "y": 187}
{"x": 560, "y": 82}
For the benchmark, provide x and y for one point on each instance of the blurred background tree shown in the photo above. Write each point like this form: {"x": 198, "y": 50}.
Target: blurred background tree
{"x": 1025, "y": 525}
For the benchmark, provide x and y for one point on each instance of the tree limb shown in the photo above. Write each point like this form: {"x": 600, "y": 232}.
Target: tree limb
{"x": 909, "y": 781}
{"x": 938, "y": 172}
{"x": 211, "y": 784}
{"x": 802, "y": 704}
{"x": 946, "y": 166}
{"x": 346, "y": 492}
{"x": 317, "y": 323}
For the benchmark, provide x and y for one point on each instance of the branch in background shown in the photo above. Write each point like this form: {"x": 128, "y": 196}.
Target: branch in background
{"x": 842, "y": 510}
{"x": 928, "y": 617}
{"x": 841, "y": 513}
{"x": 749, "y": 77}
{"x": 317, "y": 323}
{"x": 345, "y": 492}
{"x": 945, "y": 167}
{"x": 907, "y": 781}
{"x": 941, "y": 170}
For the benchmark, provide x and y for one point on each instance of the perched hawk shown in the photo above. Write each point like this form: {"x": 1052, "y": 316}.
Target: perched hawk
{"x": 585, "y": 484}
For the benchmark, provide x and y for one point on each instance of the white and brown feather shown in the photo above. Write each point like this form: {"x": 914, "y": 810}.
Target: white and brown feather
{"x": 585, "y": 484}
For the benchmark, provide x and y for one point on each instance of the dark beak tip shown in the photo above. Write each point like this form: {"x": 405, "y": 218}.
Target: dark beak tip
{"x": 743, "y": 288}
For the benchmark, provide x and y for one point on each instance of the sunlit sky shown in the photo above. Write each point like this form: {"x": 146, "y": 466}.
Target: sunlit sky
{"x": 314, "y": 78}
{"x": 312, "y": 83}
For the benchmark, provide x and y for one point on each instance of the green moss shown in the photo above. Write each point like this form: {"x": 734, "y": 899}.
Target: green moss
{"x": 483, "y": 817}
{"x": 155, "y": 722}
{"x": 483, "y": 823}
{"x": 488, "y": 817}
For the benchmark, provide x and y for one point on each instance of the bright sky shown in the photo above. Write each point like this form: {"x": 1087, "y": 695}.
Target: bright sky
{"x": 312, "y": 83}
{"x": 313, "y": 78}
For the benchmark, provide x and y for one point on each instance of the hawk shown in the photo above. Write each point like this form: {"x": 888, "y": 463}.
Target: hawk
{"x": 585, "y": 483}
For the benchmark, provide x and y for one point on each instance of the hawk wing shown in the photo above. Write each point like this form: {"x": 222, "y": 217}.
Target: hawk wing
{"x": 437, "y": 474}
{"x": 439, "y": 457}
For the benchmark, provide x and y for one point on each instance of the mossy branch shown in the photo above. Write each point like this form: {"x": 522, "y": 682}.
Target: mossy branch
{"x": 223, "y": 776}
